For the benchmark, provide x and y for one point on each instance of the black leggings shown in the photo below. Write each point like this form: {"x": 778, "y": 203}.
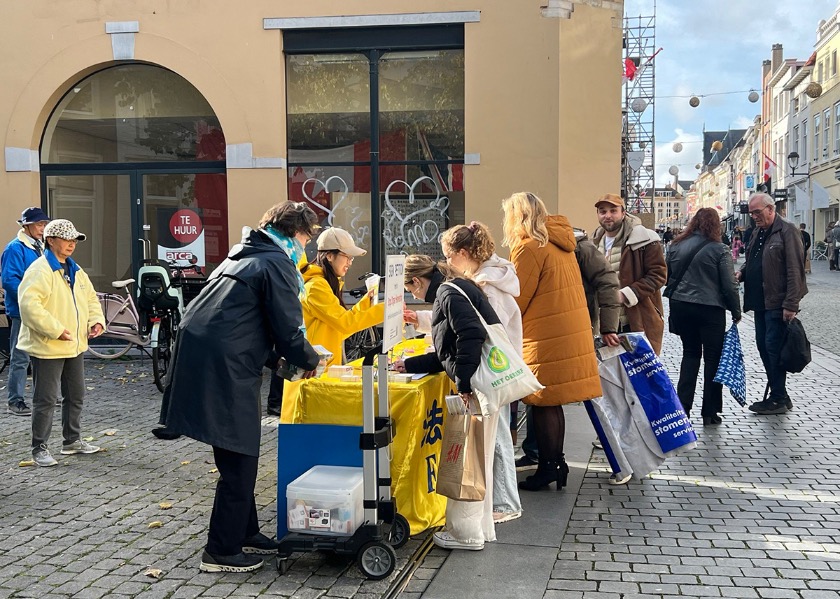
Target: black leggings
{"x": 550, "y": 428}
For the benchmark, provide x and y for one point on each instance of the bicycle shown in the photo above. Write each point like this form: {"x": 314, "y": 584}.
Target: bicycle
{"x": 361, "y": 342}
{"x": 152, "y": 327}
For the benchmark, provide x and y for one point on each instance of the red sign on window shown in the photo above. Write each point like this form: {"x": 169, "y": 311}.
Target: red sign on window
{"x": 185, "y": 226}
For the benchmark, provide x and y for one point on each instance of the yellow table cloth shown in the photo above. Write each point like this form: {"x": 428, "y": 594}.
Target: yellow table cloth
{"x": 417, "y": 410}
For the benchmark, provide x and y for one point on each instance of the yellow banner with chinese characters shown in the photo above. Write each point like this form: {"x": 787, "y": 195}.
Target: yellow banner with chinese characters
{"x": 417, "y": 410}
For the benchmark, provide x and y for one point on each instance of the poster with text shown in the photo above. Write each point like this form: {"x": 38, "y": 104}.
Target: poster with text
{"x": 180, "y": 236}
{"x": 394, "y": 298}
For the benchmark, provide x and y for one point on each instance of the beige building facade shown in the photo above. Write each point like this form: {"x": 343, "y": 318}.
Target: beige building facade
{"x": 181, "y": 122}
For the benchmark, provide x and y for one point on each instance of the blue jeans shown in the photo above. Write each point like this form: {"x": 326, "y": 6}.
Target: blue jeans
{"x": 18, "y": 364}
{"x": 529, "y": 445}
{"x": 769, "y": 333}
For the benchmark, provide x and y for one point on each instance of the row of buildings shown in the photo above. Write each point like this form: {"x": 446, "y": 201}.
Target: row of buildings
{"x": 791, "y": 150}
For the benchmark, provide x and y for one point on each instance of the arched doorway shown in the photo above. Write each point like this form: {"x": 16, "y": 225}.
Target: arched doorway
{"x": 135, "y": 157}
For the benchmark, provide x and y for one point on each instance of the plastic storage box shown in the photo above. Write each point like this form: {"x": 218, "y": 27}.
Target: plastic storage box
{"x": 326, "y": 500}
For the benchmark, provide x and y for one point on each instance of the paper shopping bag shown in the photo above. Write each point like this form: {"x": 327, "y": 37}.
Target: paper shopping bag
{"x": 461, "y": 472}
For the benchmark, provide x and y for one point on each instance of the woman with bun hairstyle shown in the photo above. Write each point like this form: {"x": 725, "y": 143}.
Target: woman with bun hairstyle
{"x": 471, "y": 252}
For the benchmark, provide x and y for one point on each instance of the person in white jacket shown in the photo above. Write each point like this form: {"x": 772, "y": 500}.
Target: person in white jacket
{"x": 470, "y": 250}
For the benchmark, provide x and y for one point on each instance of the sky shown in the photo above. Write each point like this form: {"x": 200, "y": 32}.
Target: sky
{"x": 713, "y": 46}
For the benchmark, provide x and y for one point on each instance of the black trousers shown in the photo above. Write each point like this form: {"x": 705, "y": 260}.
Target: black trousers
{"x": 234, "y": 516}
{"x": 702, "y": 329}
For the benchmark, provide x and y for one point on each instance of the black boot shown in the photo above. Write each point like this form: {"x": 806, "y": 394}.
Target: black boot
{"x": 547, "y": 473}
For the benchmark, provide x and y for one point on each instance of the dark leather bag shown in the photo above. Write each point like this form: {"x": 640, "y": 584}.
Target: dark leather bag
{"x": 795, "y": 354}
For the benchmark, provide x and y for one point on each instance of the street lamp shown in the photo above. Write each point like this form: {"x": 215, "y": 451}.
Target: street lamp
{"x": 793, "y": 162}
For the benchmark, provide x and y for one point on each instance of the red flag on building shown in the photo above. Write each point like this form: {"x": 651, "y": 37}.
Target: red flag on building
{"x": 769, "y": 167}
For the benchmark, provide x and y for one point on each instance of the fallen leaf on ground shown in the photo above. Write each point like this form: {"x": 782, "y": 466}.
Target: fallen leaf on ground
{"x": 165, "y": 506}
{"x": 128, "y": 372}
{"x": 110, "y": 433}
{"x": 155, "y": 524}
{"x": 213, "y": 471}
{"x": 89, "y": 388}
{"x": 153, "y": 573}
{"x": 185, "y": 462}
{"x": 88, "y": 438}
{"x": 25, "y": 463}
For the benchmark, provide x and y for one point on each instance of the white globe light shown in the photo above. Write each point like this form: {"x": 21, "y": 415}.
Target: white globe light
{"x": 753, "y": 97}
{"x": 677, "y": 147}
{"x": 638, "y": 105}
{"x": 674, "y": 170}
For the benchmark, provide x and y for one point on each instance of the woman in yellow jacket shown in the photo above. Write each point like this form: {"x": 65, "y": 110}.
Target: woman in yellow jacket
{"x": 59, "y": 310}
{"x": 328, "y": 321}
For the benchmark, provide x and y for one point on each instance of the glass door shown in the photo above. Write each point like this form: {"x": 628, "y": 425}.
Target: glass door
{"x": 101, "y": 207}
{"x": 187, "y": 216}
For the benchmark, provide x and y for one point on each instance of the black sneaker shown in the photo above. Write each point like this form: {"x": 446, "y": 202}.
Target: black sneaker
{"x": 272, "y": 411}
{"x": 165, "y": 434}
{"x": 788, "y": 402}
{"x": 229, "y": 563}
{"x": 756, "y": 406}
{"x": 20, "y": 409}
{"x": 772, "y": 406}
{"x": 525, "y": 463}
{"x": 260, "y": 544}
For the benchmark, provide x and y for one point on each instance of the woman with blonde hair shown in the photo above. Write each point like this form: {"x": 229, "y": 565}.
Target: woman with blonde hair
{"x": 557, "y": 334}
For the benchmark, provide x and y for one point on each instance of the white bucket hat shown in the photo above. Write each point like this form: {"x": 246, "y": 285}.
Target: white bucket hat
{"x": 339, "y": 239}
{"x": 63, "y": 229}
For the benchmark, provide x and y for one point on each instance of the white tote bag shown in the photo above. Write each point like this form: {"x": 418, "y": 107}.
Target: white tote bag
{"x": 502, "y": 376}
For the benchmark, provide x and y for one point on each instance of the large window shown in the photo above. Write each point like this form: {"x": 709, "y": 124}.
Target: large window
{"x": 804, "y": 142}
{"x": 376, "y": 143}
{"x": 816, "y": 138}
{"x": 837, "y": 129}
{"x": 826, "y": 131}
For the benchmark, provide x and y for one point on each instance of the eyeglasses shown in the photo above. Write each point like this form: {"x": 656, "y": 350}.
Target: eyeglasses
{"x": 348, "y": 256}
{"x": 759, "y": 211}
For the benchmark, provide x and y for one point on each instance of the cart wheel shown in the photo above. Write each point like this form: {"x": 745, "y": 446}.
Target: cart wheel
{"x": 282, "y": 565}
{"x": 376, "y": 560}
{"x": 400, "y": 531}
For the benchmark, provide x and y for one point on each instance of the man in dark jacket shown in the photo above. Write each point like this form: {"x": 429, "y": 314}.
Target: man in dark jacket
{"x": 806, "y": 246}
{"x": 22, "y": 251}
{"x": 249, "y": 310}
{"x": 774, "y": 283}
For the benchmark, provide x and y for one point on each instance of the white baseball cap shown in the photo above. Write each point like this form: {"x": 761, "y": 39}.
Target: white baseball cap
{"x": 340, "y": 240}
{"x": 63, "y": 229}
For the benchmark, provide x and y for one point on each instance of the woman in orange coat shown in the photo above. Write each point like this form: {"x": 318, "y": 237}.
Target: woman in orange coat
{"x": 557, "y": 335}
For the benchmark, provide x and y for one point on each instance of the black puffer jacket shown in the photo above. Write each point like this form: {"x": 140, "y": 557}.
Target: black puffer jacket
{"x": 457, "y": 332}
{"x": 710, "y": 278}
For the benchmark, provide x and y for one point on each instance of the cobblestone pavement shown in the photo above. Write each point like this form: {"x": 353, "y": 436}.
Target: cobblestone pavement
{"x": 81, "y": 529}
{"x": 754, "y": 511}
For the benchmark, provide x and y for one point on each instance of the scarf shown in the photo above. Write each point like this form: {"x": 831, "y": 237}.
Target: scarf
{"x": 294, "y": 250}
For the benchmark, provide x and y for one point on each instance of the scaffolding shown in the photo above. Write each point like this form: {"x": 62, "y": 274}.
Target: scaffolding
{"x": 638, "y": 141}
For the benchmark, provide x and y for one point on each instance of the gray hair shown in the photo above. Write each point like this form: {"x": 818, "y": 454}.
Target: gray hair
{"x": 766, "y": 199}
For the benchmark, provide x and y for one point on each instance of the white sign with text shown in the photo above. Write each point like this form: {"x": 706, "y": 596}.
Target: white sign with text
{"x": 394, "y": 298}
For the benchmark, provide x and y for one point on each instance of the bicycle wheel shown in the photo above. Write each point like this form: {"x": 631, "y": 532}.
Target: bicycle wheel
{"x": 118, "y": 318}
{"x": 108, "y": 348}
{"x": 162, "y": 354}
{"x": 357, "y": 344}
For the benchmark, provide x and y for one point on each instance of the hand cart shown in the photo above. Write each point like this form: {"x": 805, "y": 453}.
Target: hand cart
{"x": 383, "y": 529}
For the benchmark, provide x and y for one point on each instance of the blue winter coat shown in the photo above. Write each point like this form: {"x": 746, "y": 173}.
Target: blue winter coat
{"x": 17, "y": 257}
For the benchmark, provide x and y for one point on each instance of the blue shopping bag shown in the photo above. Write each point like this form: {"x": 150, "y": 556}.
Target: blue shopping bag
{"x": 656, "y": 394}
{"x": 731, "y": 371}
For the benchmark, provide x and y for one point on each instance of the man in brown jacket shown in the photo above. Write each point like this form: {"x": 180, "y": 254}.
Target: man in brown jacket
{"x": 774, "y": 283}
{"x": 635, "y": 253}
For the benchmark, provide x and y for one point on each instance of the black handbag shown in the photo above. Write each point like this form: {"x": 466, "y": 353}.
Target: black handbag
{"x": 795, "y": 354}
{"x": 674, "y": 281}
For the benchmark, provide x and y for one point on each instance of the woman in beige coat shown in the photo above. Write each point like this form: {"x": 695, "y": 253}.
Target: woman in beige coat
{"x": 557, "y": 335}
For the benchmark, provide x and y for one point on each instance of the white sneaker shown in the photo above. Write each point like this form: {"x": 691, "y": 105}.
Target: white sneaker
{"x": 447, "y": 541}
{"x": 615, "y": 480}
{"x": 80, "y": 446}
{"x": 43, "y": 457}
{"x": 499, "y": 517}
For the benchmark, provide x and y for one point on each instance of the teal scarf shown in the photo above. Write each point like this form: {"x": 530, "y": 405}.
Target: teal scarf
{"x": 294, "y": 250}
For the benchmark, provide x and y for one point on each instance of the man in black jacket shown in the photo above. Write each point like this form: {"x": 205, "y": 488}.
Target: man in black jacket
{"x": 249, "y": 311}
{"x": 806, "y": 246}
{"x": 774, "y": 283}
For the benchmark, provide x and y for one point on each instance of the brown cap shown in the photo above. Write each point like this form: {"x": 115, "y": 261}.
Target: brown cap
{"x": 611, "y": 199}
